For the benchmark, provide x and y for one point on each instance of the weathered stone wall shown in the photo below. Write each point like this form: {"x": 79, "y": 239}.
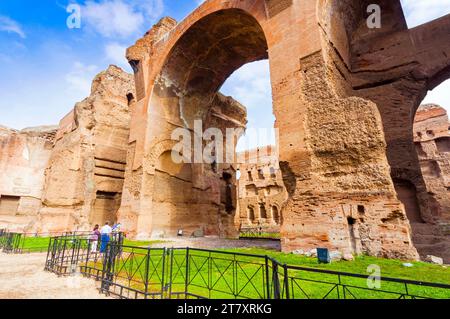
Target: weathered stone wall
{"x": 84, "y": 178}
{"x": 192, "y": 197}
{"x": 261, "y": 191}
{"x": 432, "y": 141}
{"x": 24, "y": 156}
{"x": 394, "y": 67}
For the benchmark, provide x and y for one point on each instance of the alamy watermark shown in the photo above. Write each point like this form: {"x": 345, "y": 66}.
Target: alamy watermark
{"x": 374, "y": 279}
{"x": 374, "y": 19}
{"x": 74, "y": 19}
{"x": 215, "y": 145}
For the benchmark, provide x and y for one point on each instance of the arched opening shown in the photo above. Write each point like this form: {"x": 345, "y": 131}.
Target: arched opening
{"x": 432, "y": 145}
{"x": 275, "y": 215}
{"x": 257, "y": 151}
{"x": 262, "y": 211}
{"x": 351, "y": 230}
{"x": 186, "y": 95}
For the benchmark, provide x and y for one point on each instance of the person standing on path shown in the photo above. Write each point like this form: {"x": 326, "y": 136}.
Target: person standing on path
{"x": 95, "y": 237}
{"x": 105, "y": 236}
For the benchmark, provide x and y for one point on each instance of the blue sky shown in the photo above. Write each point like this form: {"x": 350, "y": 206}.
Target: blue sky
{"x": 47, "y": 67}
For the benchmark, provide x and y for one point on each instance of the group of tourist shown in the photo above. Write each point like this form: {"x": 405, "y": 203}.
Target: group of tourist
{"x": 102, "y": 235}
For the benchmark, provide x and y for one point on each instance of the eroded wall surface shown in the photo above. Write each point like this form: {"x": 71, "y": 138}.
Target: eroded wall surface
{"x": 261, "y": 191}
{"x": 85, "y": 174}
{"x": 24, "y": 156}
{"x": 193, "y": 197}
{"x": 432, "y": 141}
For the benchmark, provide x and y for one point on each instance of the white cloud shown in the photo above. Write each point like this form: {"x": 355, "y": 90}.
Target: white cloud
{"x": 120, "y": 18}
{"x": 9, "y": 25}
{"x": 250, "y": 85}
{"x": 115, "y": 54}
{"x": 79, "y": 79}
{"x": 440, "y": 95}
{"x": 418, "y": 12}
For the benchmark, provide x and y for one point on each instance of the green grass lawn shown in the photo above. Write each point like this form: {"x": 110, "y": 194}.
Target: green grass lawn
{"x": 218, "y": 275}
{"x": 393, "y": 268}
{"x": 141, "y": 243}
{"x": 34, "y": 244}
{"x": 40, "y": 244}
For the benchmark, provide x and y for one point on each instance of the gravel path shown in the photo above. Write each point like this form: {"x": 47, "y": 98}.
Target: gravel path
{"x": 217, "y": 243}
{"x": 23, "y": 277}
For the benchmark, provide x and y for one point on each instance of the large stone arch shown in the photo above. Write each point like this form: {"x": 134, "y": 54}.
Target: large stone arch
{"x": 332, "y": 142}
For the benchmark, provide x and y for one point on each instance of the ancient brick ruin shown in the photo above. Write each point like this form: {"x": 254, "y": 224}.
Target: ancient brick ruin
{"x": 344, "y": 98}
{"x": 261, "y": 191}
{"x": 431, "y": 234}
{"x": 70, "y": 176}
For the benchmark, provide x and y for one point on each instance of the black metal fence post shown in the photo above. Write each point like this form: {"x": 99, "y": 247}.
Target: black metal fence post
{"x": 275, "y": 280}
{"x": 286, "y": 281}
{"x": 163, "y": 277}
{"x": 171, "y": 272}
{"x": 63, "y": 256}
{"x": 186, "y": 285}
{"x": 267, "y": 276}
{"x": 147, "y": 266}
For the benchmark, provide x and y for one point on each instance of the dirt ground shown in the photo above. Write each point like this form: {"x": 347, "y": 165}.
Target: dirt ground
{"x": 23, "y": 277}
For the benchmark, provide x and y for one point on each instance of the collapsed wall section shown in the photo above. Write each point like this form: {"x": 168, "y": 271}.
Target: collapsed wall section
{"x": 84, "y": 178}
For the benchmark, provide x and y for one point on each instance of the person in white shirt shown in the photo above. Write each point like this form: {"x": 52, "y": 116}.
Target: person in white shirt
{"x": 105, "y": 232}
{"x": 106, "y": 229}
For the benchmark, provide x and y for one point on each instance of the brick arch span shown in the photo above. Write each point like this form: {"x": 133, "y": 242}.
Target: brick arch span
{"x": 332, "y": 147}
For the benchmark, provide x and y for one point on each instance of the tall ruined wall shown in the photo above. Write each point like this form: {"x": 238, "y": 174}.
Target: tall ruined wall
{"x": 394, "y": 67}
{"x": 84, "y": 178}
{"x": 261, "y": 191}
{"x": 432, "y": 141}
{"x": 24, "y": 155}
{"x": 337, "y": 176}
